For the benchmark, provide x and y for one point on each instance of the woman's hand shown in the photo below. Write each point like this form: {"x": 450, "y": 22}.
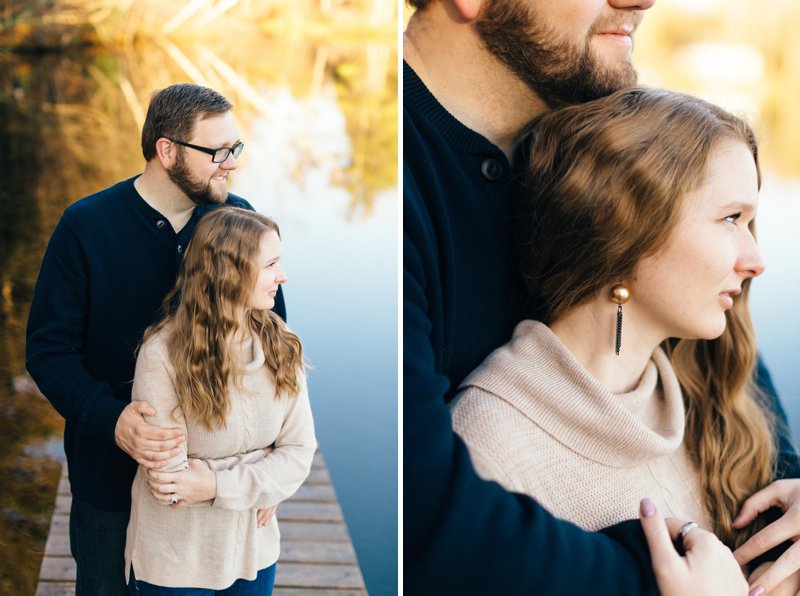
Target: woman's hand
{"x": 194, "y": 485}
{"x": 784, "y": 494}
{"x": 708, "y": 567}
{"x": 263, "y": 516}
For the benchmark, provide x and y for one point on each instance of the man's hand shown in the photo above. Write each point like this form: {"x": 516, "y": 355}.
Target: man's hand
{"x": 193, "y": 485}
{"x": 708, "y": 567}
{"x": 151, "y": 446}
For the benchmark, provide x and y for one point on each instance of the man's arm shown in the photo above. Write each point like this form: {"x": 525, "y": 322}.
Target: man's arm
{"x": 55, "y": 355}
{"x": 464, "y": 535}
{"x": 787, "y": 460}
{"x": 55, "y": 338}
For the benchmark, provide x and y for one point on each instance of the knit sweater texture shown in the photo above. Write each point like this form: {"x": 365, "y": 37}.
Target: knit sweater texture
{"x": 536, "y": 421}
{"x": 212, "y": 544}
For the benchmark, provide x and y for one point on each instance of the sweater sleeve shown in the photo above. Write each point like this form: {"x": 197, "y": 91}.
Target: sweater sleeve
{"x": 278, "y": 475}
{"x": 55, "y": 336}
{"x": 228, "y": 463}
{"x": 464, "y": 535}
{"x": 153, "y": 383}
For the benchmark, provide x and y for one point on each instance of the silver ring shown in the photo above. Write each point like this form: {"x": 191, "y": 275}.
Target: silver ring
{"x": 687, "y": 527}
{"x": 173, "y": 498}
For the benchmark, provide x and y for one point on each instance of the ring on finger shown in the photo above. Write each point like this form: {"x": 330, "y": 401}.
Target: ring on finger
{"x": 685, "y": 529}
{"x": 173, "y": 498}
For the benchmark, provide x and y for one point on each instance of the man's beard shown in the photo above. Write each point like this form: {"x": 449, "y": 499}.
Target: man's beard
{"x": 558, "y": 72}
{"x": 199, "y": 192}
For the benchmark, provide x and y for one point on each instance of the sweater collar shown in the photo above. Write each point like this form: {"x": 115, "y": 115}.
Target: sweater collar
{"x": 536, "y": 374}
{"x": 251, "y": 352}
{"x": 420, "y": 101}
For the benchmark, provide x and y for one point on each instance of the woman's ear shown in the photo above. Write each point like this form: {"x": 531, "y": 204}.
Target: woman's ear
{"x": 468, "y": 9}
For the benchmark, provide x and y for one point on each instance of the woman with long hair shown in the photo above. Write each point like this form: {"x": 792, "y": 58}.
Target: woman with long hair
{"x": 226, "y": 370}
{"x": 635, "y": 234}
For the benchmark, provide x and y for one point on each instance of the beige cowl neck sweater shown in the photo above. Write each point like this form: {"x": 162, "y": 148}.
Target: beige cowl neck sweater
{"x": 212, "y": 544}
{"x": 535, "y": 421}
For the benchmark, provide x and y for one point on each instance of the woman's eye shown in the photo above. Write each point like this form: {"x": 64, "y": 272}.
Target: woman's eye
{"x": 733, "y": 217}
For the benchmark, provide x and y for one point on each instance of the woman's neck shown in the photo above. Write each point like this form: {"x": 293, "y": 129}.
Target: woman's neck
{"x": 242, "y": 330}
{"x": 588, "y": 332}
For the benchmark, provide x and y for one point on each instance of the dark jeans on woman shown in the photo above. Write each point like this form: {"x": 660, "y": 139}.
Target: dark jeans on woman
{"x": 260, "y": 586}
{"x": 97, "y": 542}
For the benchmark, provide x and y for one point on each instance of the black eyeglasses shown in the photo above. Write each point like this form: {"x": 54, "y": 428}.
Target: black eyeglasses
{"x": 217, "y": 155}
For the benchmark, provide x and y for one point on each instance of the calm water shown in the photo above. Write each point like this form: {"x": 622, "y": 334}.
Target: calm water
{"x": 341, "y": 294}
{"x": 775, "y": 293}
{"x": 321, "y": 152}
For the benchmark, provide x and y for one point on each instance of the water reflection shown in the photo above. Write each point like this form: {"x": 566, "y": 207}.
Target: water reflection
{"x": 69, "y": 126}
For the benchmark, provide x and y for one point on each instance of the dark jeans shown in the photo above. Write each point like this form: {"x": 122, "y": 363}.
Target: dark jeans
{"x": 97, "y": 542}
{"x": 260, "y": 586}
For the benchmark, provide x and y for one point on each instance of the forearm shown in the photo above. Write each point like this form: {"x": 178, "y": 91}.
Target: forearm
{"x": 266, "y": 483}
{"x": 76, "y": 395}
{"x": 228, "y": 463}
{"x": 277, "y": 476}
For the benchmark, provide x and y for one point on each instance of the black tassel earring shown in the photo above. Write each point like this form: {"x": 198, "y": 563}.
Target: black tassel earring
{"x": 620, "y": 294}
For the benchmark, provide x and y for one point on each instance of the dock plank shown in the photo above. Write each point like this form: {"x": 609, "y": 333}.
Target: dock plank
{"x": 280, "y": 591}
{"x": 301, "y": 575}
{"x": 317, "y": 556}
{"x": 310, "y": 552}
{"x": 46, "y": 588}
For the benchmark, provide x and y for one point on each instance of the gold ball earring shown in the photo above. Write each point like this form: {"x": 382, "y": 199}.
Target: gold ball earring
{"x": 620, "y": 294}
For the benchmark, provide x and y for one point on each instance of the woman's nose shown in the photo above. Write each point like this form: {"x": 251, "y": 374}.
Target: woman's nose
{"x": 751, "y": 263}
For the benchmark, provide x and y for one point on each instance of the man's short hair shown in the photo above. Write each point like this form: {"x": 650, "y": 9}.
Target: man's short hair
{"x": 418, "y": 4}
{"x": 173, "y": 111}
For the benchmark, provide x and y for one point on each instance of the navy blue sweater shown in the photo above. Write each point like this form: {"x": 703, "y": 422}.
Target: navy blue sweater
{"x": 464, "y": 535}
{"x": 109, "y": 263}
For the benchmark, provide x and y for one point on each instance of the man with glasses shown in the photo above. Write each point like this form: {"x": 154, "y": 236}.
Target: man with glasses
{"x": 112, "y": 258}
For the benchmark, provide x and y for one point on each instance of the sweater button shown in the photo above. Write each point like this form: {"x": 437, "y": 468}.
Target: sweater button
{"x": 160, "y": 224}
{"x": 491, "y": 169}
{"x": 180, "y": 248}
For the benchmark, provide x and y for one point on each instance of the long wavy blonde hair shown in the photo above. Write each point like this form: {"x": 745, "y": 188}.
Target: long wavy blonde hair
{"x": 604, "y": 186}
{"x": 209, "y": 305}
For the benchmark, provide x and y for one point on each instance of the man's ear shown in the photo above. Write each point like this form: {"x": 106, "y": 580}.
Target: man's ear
{"x": 166, "y": 152}
{"x": 468, "y": 9}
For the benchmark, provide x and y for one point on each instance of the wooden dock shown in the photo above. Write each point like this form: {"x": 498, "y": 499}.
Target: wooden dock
{"x": 317, "y": 556}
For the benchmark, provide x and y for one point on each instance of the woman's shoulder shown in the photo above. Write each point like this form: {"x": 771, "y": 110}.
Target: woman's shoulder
{"x": 155, "y": 344}
{"x": 523, "y": 352}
